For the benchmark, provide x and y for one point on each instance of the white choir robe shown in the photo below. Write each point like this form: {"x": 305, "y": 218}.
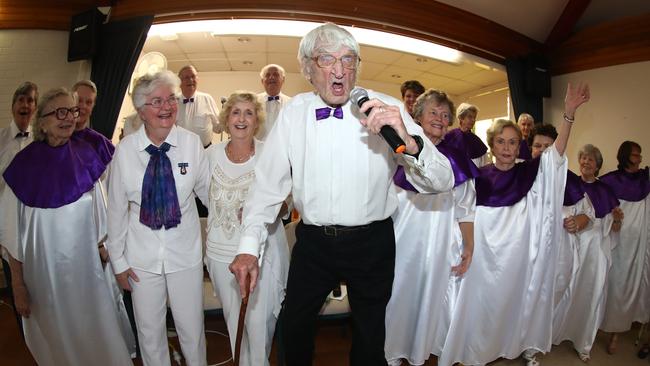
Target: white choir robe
{"x": 628, "y": 296}
{"x": 580, "y": 309}
{"x": 428, "y": 243}
{"x": 505, "y": 303}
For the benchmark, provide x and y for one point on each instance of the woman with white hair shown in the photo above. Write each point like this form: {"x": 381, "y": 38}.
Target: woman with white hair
{"x": 462, "y": 138}
{"x": 505, "y": 303}
{"x": 154, "y": 235}
{"x": 232, "y": 165}
{"x": 580, "y": 312}
{"x": 69, "y": 314}
{"x": 434, "y": 243}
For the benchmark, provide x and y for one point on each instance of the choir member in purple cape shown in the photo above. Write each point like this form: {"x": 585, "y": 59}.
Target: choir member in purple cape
{"x": 462, "y": 138}
{"x": 86, "y": 92}
{"x": 59, "y": 284}
{"x": 628, "y": 297}
{"x": 580, "y": 311}
{"x": 525, "y": 123}
{"x": 508, "y": 290}
{"x": 434, "y": 245}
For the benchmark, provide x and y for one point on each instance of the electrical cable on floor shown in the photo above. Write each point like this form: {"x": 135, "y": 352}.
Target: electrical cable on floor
{"x": 171, "y": 332}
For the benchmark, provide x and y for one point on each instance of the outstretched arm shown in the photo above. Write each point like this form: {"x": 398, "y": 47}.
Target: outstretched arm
{"x": 575, "y": 97}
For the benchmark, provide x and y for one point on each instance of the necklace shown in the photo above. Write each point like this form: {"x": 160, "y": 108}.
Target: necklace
{"x": 241, "y": 158}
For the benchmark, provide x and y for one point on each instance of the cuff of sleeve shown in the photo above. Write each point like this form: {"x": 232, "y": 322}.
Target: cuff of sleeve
{"x": 119, "y": 264}
{"x": 468, "y": 218}
{"x": 249, "y": 245}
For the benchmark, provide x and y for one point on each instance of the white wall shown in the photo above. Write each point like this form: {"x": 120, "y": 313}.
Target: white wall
{"x": 38, "y": 56}
{"x": 617, "y": 111}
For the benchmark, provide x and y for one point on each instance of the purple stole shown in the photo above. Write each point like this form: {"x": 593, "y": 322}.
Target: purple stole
{"x": 633, "y": 187}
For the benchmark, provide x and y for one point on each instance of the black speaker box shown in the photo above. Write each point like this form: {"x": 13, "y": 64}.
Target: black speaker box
{"x": 538, "y": 76}
{"x": 84, "y": 31}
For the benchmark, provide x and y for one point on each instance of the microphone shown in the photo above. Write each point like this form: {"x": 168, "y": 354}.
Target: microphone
{"x": 360, "y": 96}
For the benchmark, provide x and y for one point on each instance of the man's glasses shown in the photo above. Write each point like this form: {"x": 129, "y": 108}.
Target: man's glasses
{"x": 62, "y": 113}
{"x": 347, "y": 61}
{"x": 158, "y": 103}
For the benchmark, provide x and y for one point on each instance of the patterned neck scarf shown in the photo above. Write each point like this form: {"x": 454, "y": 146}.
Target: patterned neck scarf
{"x": 159, "y": 204}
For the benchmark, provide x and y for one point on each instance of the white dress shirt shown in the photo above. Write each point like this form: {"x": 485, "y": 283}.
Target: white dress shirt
{"x": 130, "y": 243}
{"x": 271, "y": 109}
{"x": 338, "y": 172}
{"x": 199, "y": 116}
{"x": 10, "y": 145}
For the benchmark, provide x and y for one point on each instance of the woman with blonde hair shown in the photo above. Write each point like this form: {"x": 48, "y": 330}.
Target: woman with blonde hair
{"x": 232, "y": 165}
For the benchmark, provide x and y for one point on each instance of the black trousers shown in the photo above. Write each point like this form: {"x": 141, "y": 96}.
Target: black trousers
{"x": 363, "y": 257}
{"x": 7, "y": 272}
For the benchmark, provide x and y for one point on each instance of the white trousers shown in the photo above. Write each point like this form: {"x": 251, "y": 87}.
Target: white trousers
{"x": 260, "y": 314}
{"x": 185, "y": 292}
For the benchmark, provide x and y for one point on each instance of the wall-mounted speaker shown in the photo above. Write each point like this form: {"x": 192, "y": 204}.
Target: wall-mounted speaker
{"x": 84, "y": 31}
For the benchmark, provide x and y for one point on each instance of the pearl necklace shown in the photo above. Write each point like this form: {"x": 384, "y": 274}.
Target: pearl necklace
{"x": 242, "y": 158}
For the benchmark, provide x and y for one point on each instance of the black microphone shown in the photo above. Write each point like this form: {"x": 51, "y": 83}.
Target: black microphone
{"x": 360, "y": 96}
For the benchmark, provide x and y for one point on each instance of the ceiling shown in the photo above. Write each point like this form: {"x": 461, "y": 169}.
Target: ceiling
{"x": 251, "y": 53}
{"x": 533, "y": 19}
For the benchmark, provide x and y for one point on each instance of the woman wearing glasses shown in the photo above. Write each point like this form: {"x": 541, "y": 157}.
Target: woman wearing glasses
{"x": 53, "y": 236}
{"x": 154, "y": 235}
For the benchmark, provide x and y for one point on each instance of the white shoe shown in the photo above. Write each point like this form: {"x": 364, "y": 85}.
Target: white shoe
{"x": 529, "y": 357}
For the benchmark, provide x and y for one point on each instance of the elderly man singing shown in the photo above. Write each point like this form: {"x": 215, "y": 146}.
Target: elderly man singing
{"x": 330, "y": 156}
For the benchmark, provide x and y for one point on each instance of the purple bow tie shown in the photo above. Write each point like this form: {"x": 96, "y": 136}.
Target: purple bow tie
{"x": 22, "y": 134}
{"x": 188, "y": 100}
{"x": 276, "y": 97}
{"x": 325, "y": 112}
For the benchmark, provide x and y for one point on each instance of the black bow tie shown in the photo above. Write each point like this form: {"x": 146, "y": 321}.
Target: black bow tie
{"x": 22, "y": 134}
{"x": 276, "y": 97}
{"x": 188, "y": 100}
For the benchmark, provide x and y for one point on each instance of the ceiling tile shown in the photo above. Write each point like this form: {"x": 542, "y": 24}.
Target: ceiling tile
{"x": 283, "y": 44}
{"x": 198, "y": 42}
{"x": 487, "y": 77}
{"x": 454, "y": 71}
{"x": 244, "y": 43}
{"x": 370, "y": 70}
{"x": 287, "y": 60}
{"x": 212, "y": 65}
{"x": 458, "y": 87}
{"x": 397, "y": 75}
{"x": 245, "y": 61}
{"x": 416, "y": 62}
{"x": 434, "y": 81}
{"x": 379, "y": 55}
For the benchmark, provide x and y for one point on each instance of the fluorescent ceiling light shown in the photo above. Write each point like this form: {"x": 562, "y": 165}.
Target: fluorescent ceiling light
{"x": 289, "y": 28}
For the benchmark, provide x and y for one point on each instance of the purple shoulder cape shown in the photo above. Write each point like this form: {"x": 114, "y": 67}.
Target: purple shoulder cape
{"x": 573, "y": 190}
{"x": 524, "y": 151}
{"x": 466, "y": 141}
{"x": 462, "y": 166}
{"x": 631, "y": 187}
{"x": 602, "y": 197}
{"x": 43, "y": 176}
{"x": 496, "y": 188}
{"x": 103, "y": 146}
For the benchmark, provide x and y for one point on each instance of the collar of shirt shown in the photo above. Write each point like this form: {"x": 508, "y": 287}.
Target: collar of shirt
{"x": 14, "y": 129}
{"x": 144, "y": 141}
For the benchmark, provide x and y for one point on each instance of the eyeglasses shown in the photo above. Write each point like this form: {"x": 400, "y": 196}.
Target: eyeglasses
{"x": 347, "y": 61}
{"x": 62, "y": 113}
{"x": 158, "y": 102}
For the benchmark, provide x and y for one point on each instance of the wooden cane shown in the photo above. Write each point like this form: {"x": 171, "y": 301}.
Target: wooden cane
{"x": 240, "y": 322}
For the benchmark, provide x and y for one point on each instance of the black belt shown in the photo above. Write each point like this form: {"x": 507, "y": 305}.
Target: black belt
{"x": 338, "y": 230}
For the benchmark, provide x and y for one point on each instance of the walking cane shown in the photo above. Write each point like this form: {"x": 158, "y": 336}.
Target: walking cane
{"x": 240, "y": 323}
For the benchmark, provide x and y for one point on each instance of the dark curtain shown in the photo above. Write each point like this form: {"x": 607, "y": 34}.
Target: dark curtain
{"x": 119, "y": 47}
{"x": 522, "y": 101}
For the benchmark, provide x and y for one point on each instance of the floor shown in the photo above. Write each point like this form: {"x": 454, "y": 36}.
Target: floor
{"x": 332, "y": 346}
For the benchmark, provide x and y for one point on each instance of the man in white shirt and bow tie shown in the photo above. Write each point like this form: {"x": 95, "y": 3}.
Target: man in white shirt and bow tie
{"x": 272, "y": 98}
{"x": 14, "y": 138}
{"x": 197, "y": 111}
{"x": 329, "y": 155}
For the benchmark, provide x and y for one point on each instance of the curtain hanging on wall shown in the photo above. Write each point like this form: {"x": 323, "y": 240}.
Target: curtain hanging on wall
{"x": 120, "y": 44}
{"x": 522, "y": 100}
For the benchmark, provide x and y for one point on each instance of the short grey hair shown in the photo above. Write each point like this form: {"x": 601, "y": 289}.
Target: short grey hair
{"x": 328, "y": 37}
{"x": 46, "y": 99}
{"x": 463, "y": 108}
{"x": 187, "y": 67}
{"x": 594, "y": 152}
{"x": 524, "y": 116}
{"x": 25, "y": 89}
{"x": 266, "y": 68}
{"x": 432, "y": 95}
{"x": 88, "y": 83}
{"x": 146, "y": 84}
